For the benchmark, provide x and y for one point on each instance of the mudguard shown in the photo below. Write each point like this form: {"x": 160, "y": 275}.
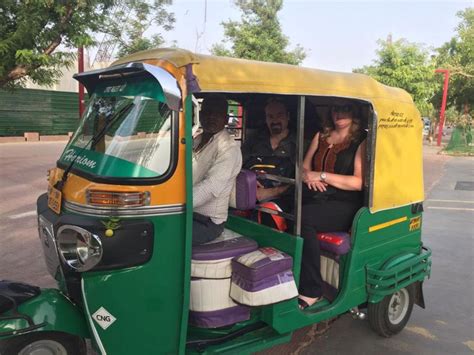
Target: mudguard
{"x": 50, "y": 310}
{"x": 397, "y": 273}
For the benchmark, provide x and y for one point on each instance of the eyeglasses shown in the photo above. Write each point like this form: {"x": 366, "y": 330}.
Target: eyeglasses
{"x": 342, "y": 108}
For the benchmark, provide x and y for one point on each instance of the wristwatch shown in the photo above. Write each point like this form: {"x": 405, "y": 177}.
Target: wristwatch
{"x": 322, "y": 176}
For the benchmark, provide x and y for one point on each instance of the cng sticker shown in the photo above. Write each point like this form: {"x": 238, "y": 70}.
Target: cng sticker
{"x": 103, "y": 318}
{"x": 415, "y": 223}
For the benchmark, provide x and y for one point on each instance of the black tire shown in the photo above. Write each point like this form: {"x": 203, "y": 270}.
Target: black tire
{"x": 389, "y": 316}
{"x": 55, "y": 343}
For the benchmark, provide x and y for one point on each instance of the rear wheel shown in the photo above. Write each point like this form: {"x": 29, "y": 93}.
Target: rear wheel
{"x": 43, "y": 343}
{"x": 389, "y": 316}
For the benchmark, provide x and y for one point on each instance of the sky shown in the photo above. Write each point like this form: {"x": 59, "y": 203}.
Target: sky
{"x": 337, "y": 35}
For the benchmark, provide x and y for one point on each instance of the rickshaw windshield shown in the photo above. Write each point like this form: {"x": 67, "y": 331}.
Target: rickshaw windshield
{"x": 126, "y": 131}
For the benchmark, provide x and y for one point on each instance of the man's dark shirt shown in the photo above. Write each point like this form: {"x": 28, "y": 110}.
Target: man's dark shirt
{"x": 258, "y": 151}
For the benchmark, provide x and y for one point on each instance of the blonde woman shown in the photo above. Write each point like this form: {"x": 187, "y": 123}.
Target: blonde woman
{"x": 333, "y": 174}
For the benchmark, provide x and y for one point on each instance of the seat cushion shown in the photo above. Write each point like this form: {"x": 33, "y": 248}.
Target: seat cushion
{"x": 269, "y": 290}
{"x": 213, "y": 260}
{"x": 261, "y": 263}
{"x": 330, "y": 274}
{"x": 228, "y": 245}
{"x": 262, "y": 277}
{"x": 244, "y": 193}
{"x": 210, "y": 305}
{"x": 338, "y": 243}
{"x": 210, "y": 295}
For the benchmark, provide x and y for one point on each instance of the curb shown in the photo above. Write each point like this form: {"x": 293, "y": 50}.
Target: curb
{"x": 36, "y": 137}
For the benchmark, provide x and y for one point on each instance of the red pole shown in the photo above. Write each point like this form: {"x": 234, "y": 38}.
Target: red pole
{"x": 80, "y": 64}
{"x": 443, "y": 103}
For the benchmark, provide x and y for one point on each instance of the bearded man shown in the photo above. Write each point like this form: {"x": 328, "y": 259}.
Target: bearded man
{"x": 273, "y": 152}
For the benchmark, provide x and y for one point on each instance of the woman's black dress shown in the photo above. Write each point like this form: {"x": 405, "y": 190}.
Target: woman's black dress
{"x": 330, "y": 211}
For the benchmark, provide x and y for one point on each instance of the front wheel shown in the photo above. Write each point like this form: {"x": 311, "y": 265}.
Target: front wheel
{"x": 389, "y": 316}
{"x": 47, "y": 343}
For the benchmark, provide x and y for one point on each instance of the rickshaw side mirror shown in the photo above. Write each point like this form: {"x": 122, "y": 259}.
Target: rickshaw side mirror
{"x": 417, "y": 208}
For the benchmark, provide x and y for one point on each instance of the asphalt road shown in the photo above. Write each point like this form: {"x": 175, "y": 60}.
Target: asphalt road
{"x": 22, "y": 179}
{"x": 445, "y": 327}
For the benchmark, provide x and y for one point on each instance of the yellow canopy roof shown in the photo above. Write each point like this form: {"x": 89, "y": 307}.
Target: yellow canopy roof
{"x": 398, "y": 167}
{"x": 241, "y": 75}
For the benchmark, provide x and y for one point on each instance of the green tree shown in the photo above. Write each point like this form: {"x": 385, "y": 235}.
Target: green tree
{"x": 405, "y": 65}
{"x": 36, "y": 37}
{"x": 39, "y": 37}
{"x": 132, "y": 19}
{"x": 258, "y": 35}
{"x": 457, "y": 55}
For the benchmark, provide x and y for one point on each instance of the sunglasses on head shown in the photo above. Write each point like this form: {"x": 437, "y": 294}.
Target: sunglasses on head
{"x": 342, "y": 108}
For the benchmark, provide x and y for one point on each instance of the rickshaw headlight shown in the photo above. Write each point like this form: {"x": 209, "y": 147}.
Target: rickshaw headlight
{"x": 79, "y": 248}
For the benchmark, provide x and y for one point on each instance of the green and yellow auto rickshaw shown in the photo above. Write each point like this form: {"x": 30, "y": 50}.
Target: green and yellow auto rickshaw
{"x": 115, "y": 225}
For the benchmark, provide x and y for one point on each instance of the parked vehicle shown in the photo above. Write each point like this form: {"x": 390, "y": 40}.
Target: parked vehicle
{"x": 115, "y": 225}
{"x": 426, "y": 125}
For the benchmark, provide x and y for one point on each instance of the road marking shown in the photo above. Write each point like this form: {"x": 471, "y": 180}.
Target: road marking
{"x": 21, "y": 215}
{"x": 450, "y": 201}
{"x": 451, "y": 208}
{"x": 469, "y": 344}
{"x": 422, "y": 331}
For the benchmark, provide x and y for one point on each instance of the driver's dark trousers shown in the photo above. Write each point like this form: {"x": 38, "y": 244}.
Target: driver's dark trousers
{"x": 204, "y": 229}
{"x": 316, "y": 217}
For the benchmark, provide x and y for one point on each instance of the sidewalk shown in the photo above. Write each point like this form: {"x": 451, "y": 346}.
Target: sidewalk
{"x": 433, "y": 166}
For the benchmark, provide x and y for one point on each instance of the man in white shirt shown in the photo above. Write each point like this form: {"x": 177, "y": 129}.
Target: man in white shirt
{"x": 216, "y": 162}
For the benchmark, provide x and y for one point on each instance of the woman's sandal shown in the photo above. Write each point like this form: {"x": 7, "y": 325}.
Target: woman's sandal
{"x": 302, "y": 304}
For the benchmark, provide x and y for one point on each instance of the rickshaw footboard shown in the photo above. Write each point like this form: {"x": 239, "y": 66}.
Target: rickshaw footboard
{"x": 201, "y": 344}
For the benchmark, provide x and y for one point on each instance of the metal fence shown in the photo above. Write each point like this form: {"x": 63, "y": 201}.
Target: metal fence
{"x": 43, "y": 111}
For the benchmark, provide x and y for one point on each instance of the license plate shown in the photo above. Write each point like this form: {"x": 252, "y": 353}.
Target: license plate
{"x": 54, "y": 199}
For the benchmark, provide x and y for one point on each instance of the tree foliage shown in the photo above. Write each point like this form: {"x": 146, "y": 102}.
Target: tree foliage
{"x": 258, "y": 35}
{"x": 132, "y": 19}
{"x": 405, "y": 65}
{"x": 39, "y": 37}
{"x": 457, "y": 55}
{"x": 36, "y": 36}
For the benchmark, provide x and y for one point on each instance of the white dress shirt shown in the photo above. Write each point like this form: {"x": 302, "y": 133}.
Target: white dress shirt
{"x": 215, "y": 167}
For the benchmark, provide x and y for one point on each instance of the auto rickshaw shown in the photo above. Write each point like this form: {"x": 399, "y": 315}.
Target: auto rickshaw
{"x": 115, "y": 224}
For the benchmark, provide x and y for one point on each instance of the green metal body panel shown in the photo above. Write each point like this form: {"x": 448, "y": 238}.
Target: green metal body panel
{"x": 55, "y": 310}
{"x": 149, "y": 301}
{"x": 370, "y": 250}
{"x": 44, "y": 111}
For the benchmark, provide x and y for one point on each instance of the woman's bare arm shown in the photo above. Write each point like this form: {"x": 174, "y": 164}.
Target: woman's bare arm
{"x": 308, "y": 158}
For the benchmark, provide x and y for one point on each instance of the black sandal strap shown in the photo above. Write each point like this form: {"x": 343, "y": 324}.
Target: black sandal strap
{"x": 302, "y": 303}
